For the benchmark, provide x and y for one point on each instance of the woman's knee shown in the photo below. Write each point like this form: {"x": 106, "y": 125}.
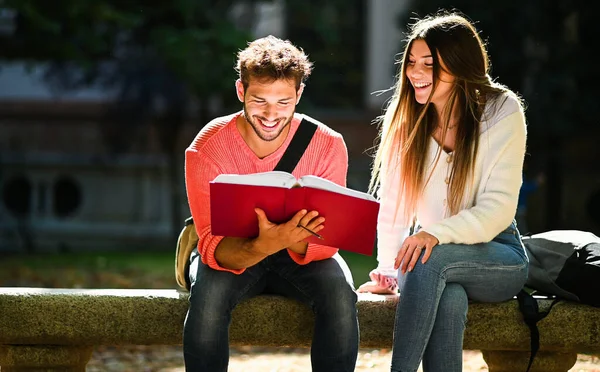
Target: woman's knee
{"x": 442, "y": 257}
{"x": 454, "y": 301}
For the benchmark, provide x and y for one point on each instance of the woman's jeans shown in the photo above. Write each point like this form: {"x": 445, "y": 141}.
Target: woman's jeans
{"x": 325, "y": 286}
{"x": 432, "y": 311}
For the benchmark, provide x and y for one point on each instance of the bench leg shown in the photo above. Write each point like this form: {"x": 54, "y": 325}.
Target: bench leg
{"x": 38, "y": 358}
{"x": 504, "y": 361}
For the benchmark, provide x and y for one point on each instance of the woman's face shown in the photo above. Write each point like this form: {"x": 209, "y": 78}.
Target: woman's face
{"x": 419, "y": 72}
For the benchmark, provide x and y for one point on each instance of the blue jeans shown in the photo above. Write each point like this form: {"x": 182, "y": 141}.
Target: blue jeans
{"x": 325, "y": 286}
{"x": 432, "y": 311}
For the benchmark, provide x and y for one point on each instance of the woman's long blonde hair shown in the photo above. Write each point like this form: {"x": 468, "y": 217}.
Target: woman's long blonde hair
{"x": 407, "y": 126}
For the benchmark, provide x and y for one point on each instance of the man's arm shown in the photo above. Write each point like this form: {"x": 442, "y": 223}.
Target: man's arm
{"x": 199, "y": 171}
{"x": 299, "y": 248}
{"x": 236, "y": 253}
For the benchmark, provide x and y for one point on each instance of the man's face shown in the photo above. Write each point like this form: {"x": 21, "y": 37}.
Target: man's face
{"x": 269, "y": 105}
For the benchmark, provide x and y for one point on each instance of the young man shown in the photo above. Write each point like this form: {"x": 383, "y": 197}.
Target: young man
{"x": 226, "y": 270}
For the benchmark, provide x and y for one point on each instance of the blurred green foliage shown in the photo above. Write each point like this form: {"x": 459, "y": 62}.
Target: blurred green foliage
{"x": 195, "y": 39}
{"x": 163, "y": 58}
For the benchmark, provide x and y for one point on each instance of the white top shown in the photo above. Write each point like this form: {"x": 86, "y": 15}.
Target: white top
{"x": 488, "y": 207}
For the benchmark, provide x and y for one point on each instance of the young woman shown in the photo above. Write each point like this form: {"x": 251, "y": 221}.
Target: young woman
{"x": 447, "y": 171}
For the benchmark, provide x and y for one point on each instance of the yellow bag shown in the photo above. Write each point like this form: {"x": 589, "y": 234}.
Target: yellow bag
{"x": 187, "y": 241}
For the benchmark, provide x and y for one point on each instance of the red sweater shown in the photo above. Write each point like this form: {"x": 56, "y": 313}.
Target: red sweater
{"x": 220, "y": 149}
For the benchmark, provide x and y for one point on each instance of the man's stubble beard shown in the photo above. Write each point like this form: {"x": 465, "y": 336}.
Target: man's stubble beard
{"x": 256, "y": 127}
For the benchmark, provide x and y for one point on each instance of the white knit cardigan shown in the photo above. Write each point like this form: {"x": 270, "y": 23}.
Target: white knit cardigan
{"x": 488, "y": 207}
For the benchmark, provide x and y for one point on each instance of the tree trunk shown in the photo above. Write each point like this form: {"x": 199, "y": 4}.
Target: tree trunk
{"x": 174, "y": 179}
{"x": 170, "y": 126}
{"x": 554, "y": 185}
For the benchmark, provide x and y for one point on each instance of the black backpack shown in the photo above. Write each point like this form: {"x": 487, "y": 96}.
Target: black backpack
{"x": 563, "y": 265}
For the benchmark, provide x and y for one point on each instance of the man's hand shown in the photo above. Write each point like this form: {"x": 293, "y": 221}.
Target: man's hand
{"x": 273, "y": 237}
{"x": 240, "y": 253}
{"x": 412, "y": 248}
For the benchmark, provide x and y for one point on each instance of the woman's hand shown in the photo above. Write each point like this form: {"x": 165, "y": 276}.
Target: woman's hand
{"x": 379, "y": 284}
{"x": 412, "y": 248}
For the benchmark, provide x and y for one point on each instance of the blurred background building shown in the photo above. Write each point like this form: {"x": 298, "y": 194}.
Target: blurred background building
{"x": 98, "y": 101}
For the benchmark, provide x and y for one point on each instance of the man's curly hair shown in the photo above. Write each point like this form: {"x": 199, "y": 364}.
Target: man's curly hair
{"x": 272, "y": 58}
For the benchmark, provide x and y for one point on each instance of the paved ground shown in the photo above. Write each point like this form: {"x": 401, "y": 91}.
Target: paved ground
{"x": 169, "y": 359}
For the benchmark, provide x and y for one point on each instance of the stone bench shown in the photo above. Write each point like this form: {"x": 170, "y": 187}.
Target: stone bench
{"x": 57, "y": 329}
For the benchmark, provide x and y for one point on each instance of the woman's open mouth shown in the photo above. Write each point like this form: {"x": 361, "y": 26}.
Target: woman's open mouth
{"x": 421, "y": 85}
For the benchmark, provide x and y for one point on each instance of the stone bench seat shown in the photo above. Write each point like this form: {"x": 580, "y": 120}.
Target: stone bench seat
{"x": 57, "y": 329}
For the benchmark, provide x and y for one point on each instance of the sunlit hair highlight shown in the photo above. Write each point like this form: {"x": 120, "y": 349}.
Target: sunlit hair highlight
{"x": 270, "y": 58}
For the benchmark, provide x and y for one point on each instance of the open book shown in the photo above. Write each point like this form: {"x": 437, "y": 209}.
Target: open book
{"x": 350, "y": 215}
{"x": 288, "y": 181}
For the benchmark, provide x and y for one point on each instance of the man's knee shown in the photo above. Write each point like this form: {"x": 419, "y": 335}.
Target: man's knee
{"x": 337, "y": 314}
{"x": 337, "y": 298}
{"x": 211, "y": 299}
{"x": 205, "y": 312}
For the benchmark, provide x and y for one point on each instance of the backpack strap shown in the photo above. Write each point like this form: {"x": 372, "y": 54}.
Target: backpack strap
{"x": 532, "y": 315}
{"x": 297, "y": 146}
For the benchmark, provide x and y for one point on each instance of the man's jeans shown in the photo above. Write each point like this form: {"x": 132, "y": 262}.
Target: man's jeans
{"x": 432, "y": 311}
{"x": 325, "y": 286}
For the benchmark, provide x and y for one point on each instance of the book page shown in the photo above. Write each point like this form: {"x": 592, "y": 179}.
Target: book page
{"x": 273, "y": 178}
{"x": 323, "y": 184}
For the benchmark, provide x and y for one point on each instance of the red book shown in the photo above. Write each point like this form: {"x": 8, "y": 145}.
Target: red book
{"x": 350, "y": 215}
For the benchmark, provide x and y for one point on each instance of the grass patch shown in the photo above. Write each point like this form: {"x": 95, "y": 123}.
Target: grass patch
{"x": 360, "y": 266}
{"x": 112, "y": 260}
{"x": 116, "y": 269}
